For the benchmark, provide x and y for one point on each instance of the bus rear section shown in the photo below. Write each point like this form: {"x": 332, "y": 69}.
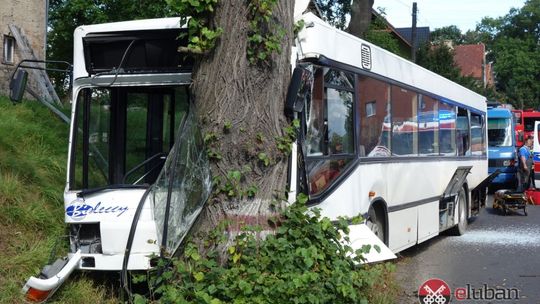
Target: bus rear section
{"x": 501, "y": 148}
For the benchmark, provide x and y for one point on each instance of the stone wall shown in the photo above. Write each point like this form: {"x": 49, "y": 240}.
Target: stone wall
{"x": 30, "y": 16}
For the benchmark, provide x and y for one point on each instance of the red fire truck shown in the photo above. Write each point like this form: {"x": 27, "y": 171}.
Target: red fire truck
{"x": 524, "y": 126}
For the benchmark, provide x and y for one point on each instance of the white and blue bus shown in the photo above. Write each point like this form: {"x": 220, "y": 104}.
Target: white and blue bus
{"x": 385, "y": 138}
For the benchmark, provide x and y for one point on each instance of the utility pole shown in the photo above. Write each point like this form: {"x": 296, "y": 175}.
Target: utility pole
{"x": 413, "y": 33}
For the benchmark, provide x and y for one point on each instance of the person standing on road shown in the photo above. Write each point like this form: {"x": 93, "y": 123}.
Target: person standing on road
{"x": 525, "y": 164}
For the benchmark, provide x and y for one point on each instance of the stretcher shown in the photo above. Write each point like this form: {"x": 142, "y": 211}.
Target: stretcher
{"x": 506, "y": 200}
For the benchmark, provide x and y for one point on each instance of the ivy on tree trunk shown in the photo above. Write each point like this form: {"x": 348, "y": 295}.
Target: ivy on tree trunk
{"x": 241, "y": 113}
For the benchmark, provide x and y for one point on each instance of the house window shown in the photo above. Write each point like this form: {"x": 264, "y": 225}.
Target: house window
{"x": 9, "y": 46}
{"x": 370, "y": 109}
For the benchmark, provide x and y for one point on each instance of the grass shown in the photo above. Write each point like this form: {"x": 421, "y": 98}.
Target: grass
{"x": 33, "y": 151}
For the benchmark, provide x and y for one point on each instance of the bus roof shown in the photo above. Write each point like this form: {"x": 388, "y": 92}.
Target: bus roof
{"x": 318, "y": 39}
{"x": 79, "y": 69}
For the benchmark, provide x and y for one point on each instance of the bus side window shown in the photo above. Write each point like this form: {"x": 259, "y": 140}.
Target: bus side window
{"x": 428, "y": 126}
{"x": 477, "y": 146}
{"x": 447, "y": 129}
{"x": 374, "y": 113}
{"x": 462, "y": 132}
{"x": 404, "y": 122}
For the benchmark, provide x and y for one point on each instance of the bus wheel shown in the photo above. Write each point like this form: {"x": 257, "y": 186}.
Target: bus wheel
{"x": 461, "y": 210}
{"x": 375, "y": 224}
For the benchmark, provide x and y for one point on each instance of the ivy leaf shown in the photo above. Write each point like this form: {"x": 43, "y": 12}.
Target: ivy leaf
{"x": 195, "y": 256}
{"x": 236, "y": 257}
{"x": 199, "y": 276}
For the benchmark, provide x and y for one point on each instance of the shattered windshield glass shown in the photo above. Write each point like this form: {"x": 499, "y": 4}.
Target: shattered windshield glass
{"x": 185, "y": 181}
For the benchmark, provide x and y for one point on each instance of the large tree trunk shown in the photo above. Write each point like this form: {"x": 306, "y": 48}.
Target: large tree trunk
{"x": 226, "y": 90}
{"x": 360, "y": 17}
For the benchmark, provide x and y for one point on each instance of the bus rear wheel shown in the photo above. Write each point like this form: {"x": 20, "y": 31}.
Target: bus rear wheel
{"x": 375, "y": 224}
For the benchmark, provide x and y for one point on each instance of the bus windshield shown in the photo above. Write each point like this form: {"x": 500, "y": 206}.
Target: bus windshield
{"x": 500, "y": 132}
{"x": 123, "y": 134}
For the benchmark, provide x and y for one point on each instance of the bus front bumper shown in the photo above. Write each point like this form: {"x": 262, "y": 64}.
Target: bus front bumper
{"x": 40, "y": 289}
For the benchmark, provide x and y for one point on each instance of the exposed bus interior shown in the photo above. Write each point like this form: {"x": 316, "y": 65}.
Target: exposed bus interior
{"x": 124, "y": 134}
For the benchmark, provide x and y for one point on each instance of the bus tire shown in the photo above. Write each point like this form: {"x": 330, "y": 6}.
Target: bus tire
{"x": 375, "y": 223}
{"x": 461, "y": 209}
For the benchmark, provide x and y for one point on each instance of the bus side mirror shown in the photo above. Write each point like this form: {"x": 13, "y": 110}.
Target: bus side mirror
{"x": 299, "y": 88}
{"x": 520, "y": 136}
{"x": 17, "y": 85}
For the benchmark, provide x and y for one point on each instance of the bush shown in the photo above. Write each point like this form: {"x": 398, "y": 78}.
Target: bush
{"x": 303, "y": 262}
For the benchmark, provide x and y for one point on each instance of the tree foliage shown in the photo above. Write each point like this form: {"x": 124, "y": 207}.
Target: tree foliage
{"x": 513, "y": 41}
{"x": 450, "y": 32}
{"x": 438, "y": 58}
{"x": 378, "y": 34}
{"x": 335, "y": 11}
{"x": 512, "y": 44}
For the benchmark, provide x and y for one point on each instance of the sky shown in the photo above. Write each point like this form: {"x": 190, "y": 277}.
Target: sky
{"x": 465, "y": 14}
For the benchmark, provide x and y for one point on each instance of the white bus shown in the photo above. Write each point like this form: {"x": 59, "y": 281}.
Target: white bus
{"x": 384, "y": 138}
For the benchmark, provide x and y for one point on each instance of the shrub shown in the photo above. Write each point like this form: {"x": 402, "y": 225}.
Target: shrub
{"x": 304, "y": 261}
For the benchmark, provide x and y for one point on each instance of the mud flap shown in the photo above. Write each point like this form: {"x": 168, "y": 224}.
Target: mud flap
{"x": 360, "y": 235}
{"x": 455, "y": 184}
{"x": 446, "y": 203}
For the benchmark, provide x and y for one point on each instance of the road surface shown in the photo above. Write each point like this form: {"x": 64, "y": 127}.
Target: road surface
{"x": 498, "y": 254}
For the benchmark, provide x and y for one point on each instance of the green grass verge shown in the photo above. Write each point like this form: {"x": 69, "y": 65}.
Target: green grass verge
{"x": 33, "y": 151}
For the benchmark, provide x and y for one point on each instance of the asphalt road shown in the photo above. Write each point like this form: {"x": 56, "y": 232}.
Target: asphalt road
{"x": 497, "y": 253}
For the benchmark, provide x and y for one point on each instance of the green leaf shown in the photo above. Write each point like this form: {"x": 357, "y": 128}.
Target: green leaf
{"x": 236, "y": 257}
{"x": 138, "y": 299}
{"x": 302, "y": 198}
{"x": 195, "y": 256}
{"x": 199, "y": 276}
{"x": 235, "y": 175}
